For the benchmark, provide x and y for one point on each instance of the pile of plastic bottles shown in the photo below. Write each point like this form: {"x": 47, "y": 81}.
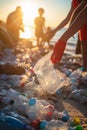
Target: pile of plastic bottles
{"x": 22, "y": 109}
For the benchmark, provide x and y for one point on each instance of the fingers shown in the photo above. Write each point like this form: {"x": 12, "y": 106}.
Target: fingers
{"x": 58, "y": 51}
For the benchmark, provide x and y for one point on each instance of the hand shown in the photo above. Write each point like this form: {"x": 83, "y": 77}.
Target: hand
{"x": 58, "y": 51}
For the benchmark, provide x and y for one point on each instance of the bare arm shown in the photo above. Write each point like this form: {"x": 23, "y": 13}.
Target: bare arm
{"x": 78, "y": 22}
{"x": 76, "y": 11}
{"x": 65, "y": 21}
{"x": 61, "y": 25}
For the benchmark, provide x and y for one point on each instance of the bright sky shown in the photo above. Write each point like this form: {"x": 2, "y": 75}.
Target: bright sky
{"x": 55, "y": 10}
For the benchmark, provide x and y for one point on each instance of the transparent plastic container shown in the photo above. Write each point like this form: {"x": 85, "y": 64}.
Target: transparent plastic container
{"x": 35, "y": 110}
{"x": 77, "y": 73}
{"x": 56, "y": 125}
{"x": 50, "y": 79}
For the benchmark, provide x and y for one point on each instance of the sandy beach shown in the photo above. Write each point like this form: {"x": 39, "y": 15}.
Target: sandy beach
{"x": 61, "y": 101}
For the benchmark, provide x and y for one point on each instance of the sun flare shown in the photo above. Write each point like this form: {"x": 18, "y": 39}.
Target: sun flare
{"x": 26, "y": 34}
{"x": 29, "y": 13}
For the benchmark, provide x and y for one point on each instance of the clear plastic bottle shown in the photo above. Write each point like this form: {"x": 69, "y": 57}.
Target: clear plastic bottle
{"x": 56, "y": 125}
{"x": 75, "y": 95}
{"x": 18, "y": 99}
{"x": 50, "y": 79}
{"x": 35, "y": 110}
{"x": 76, "y": 74}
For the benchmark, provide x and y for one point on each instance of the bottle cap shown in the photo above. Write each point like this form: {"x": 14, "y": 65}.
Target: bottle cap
{"x": 78, "y": 127}
{"x": 35, "y": 124}
{"x": 32, "y": 101}
{"x": 82, "y": 68}
{"x": 76, "y": 120}
{"x": 43, "y": 124}
{"x": 11, "y": 102}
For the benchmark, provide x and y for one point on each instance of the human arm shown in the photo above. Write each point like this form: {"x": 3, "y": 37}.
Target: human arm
{"x": 62, "y": 24}
{"x": 76, "y": 11}
{"x": 78, "y": 22}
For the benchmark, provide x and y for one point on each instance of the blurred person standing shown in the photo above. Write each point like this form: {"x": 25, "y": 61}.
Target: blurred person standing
{"x": 14, "y": 23}
{"x": 39, "y": 26}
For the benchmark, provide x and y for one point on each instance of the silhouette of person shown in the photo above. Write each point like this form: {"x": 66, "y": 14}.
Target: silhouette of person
{"x": 6, "y": 40}
{"x": 45, "y": 35}
{"x": 39, "y": 26}
{"x": 14, "y": 22}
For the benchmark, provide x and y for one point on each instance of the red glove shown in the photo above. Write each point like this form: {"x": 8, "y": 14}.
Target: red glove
{"x": 58, "y": 51}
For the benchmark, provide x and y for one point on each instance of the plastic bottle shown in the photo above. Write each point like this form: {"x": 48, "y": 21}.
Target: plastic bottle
{"x": 75, "y": 95}
{"x": 49, "y": 78}
{"x": 74, "y": 82}
{"x": 43, "y": 124}
{"x": 35, "y": 110}
{"x": 11, "y": 95}
{"x": 72, "y": 88}
{"x": 79, "y": 127}
{"x": 76, "y": 74}
{"x": 20, "y": 117}
{"x": 56, "y": 125}
{"x": 18, "y": 99}
{"x": 11, "y": 123}
{"x": 65, "y": 116}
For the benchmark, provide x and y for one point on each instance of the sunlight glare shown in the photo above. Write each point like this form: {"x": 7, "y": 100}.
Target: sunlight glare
{"x": 29, "y": 13}
{"x": 26, "y": 34}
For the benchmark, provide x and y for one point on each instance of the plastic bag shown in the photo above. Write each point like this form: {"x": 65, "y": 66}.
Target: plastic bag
{"x": 50, "y": 79}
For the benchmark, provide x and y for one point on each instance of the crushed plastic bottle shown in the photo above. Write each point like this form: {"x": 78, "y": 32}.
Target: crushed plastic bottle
{"x": 50, "y": 79}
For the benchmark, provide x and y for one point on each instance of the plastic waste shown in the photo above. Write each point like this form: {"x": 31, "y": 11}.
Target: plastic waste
{"x": 56, "y": 125}
{"x": 76, "y": 74}
{"x": 11, "y": 95}
{"x": 50, "y": 79}
{"x": 18, "y": 99}
{"x": 83, "y": 92}
{"x": 43, "y": 124}
{"x": 75, "y": 95}
{"x": 11, "y": 123}
{"x": 35, "y": 110}
{"x": 79, "y": 127}
{"x": 64, "y": 116}
{"x": 36, "y": 124}
{"x": 18, "y": 116}
{"x": 72, "y": 88}
{"x": 74, "y": 82}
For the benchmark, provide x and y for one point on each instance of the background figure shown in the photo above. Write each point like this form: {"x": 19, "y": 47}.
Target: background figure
{"x": 14, "y": 23}
{"x": 45, "y": 37}
{"x": 6, "y": 40}
{"x": 78, "y": 49}
{"x": 39, "y": 26}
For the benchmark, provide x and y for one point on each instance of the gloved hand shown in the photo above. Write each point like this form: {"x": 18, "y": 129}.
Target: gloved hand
{"x": 58, "y": 51}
